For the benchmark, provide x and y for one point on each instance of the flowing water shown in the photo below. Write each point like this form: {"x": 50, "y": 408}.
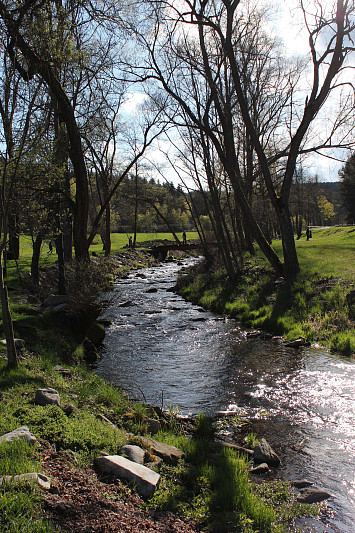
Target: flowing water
{"x": 164, "y": 350}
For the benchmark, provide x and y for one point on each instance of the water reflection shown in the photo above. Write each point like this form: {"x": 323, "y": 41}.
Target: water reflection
{"x": 170, "y": 349}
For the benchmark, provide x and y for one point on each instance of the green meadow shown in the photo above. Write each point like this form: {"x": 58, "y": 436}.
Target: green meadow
{"x": 330, "y": 252}
{"x": 313, "y": 307}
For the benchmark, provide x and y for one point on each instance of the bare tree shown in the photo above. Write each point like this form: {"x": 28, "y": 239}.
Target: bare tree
{"x": 15, "y": 111}
{"x": 201, "y": 41}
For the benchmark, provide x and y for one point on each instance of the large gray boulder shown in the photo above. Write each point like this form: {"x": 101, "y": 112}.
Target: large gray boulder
{"x": 297, "y": 343}
{"x": 263, "y": 453}
{"x": 20, "y": 433}
{"x": 47, "y": 397}
{"x": 169, "y": 454}
{"x": 144, "y": 479}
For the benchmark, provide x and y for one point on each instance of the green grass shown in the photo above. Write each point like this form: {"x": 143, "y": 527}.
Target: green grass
{"x": 313, "y": 307}
{"x": 330, "y": 252}
{"x": 119, "y": 241}
{"x": 18, "y": 270}
{"x": 211, "y": 488}
{"x": 20, "y": 504}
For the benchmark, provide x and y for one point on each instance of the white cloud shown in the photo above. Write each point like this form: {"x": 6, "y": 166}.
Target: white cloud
{"x": 133, "y": 102}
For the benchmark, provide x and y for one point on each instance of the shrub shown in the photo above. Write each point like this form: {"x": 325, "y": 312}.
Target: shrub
{"x": 84, "y": 282}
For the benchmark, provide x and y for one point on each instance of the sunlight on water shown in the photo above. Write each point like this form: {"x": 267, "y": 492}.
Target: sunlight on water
{"x": 303, "y": 402}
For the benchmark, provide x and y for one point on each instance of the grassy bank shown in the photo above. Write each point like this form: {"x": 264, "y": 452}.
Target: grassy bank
{"x": 314, "y": 307}
{"x": 210, "y": 489}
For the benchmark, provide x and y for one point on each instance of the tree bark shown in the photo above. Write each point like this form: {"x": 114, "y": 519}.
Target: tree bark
{"x": 12, "y": 359}
{"x": 61, "y": 267}
{"x": 35, "y": 259}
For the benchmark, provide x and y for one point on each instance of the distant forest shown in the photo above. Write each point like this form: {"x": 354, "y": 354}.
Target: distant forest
{"x": 151, "y": 206}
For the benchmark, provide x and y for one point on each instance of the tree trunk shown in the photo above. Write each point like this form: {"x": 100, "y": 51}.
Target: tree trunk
{"x": 12, "y": 360}
{"x": 108, "y": 231}
{"x": 44, "y": 69}
{"x": 291, "y": 264}
{"x": 135, "y": 210}
{"x": 35, "y": 259}
{"x": 61, "y": 268}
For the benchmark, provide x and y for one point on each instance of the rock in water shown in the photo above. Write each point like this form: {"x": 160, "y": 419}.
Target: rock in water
{"x": 311, "y": 495}
{"x": 301, "y": 483}
{"x": 263, "y": 468}
{"x": 263, "y": 453}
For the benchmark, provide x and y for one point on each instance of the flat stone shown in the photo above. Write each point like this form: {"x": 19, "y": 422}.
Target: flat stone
{"x": 64, "y": 371}
{"x": 263, "y": 468}
{"x": 21, "y": 433}
{"x": 70, "y": 409}
{"x": 263, "y": 453}
{"x": 301, "y": 483}
{"x": 42, "y": 480}
{"x": 145, "y": 480}
{"x": 169, "y": 454}
{"x": 312, "y": 495}
{"x": 133, "y": 453}
{"x": 151, "y": 290}
{"x": 297, "y": 343}
{"x": 47, "y": 397}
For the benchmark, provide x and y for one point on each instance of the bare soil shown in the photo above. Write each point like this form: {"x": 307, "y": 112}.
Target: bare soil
{"x": 80, "y": 502}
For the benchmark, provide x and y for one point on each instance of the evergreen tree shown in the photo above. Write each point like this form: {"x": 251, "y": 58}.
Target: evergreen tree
{"x": 347, "y": 188}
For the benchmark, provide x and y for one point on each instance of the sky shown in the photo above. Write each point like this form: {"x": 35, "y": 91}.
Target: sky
{"x": 288, "y": 25}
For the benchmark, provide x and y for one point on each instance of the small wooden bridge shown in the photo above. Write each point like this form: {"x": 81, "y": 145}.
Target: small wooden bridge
{"x": 161, "y": 252}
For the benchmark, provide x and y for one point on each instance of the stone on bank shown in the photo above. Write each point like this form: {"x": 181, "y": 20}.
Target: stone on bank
{"x": 145, "y": 480}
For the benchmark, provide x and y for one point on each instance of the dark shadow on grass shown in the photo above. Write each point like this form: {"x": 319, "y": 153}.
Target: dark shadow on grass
{"x": 10, "y": 378}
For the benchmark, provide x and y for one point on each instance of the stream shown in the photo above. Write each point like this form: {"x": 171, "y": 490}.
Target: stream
{"x": 169, "y": 352}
